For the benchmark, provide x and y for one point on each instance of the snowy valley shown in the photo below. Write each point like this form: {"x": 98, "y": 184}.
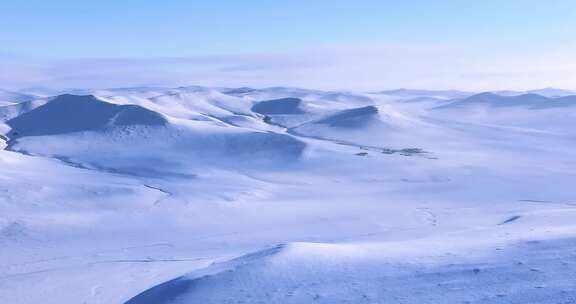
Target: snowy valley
{"x": 197, "y": 194}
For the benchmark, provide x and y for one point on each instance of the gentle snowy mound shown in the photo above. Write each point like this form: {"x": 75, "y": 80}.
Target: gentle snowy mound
{"x": 354, "y": 118}
{"x": 10, "y": 111}
{"x": 8, "y": 97}
{"x": 72, "y": 113}
{"x": 283, "y": 106}
{"x": 286, "y": 112}
{"x": 364, "y": 126}
{"x": 381, "y": 129}
{"x": 272, "y": 93}
{"x": 532, "y": 101}
{"x": 379, "y": 273}
{"x": 547, "y": 92}
{"x": 199, "y": 104}
{"x": 316, "y": 98}
{"x": 552, "y": 92}
{"x": 522, "y": 114}
{"x": 174, "y": 150}
{"x": 200, "y": 101}
{"x": 409, "y": 94}
{"x": 239, "y": 91}
{"x": 90, "y": 132}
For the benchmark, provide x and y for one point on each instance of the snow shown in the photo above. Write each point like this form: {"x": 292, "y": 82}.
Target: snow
{"x": 547, "y": 92}
{"x": 9, "y": 97}
{"x": 284, "y": 195}
{"x": 284, "y": 106}
{"x": 411, "y": 93}
{"x": 71, "y": 113}
{"x": 533, "y": 101}
{"x": 371, "y": 273}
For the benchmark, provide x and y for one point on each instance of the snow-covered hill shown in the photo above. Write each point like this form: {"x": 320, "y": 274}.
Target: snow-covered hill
{"x": 410, "y": 94}
{"x": 532, "y": 101}
{"x": 9, "y": 97}
{"x": 530, "y": 113}
{"x": 90, "y": 132}
{"x": 286, "y": 195}
{"x": 409, "y": 272}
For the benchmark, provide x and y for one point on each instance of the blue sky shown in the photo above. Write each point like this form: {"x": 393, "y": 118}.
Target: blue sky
{"x": 327, "y": 44}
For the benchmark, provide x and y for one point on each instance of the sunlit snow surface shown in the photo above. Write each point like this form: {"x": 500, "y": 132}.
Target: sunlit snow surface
{"x": 284, "y": 195}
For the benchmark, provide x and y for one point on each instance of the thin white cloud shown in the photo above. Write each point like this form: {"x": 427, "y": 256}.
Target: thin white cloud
{"x": 338, "y": 67}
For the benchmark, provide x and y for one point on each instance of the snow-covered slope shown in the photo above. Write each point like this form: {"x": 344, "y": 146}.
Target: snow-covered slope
{"x": 349, "y": 98}
{"x": 348, "y": 124}
{"x": 71, "y": 113}
{"x": 532, "y": 101}
{"x": 87, "y": 131}
{"x": 528, "y": 113}
{"x": 8, "y": 97}
{"x": 182, "y": 195}
{"x": 547, "y": 92}
{"x": 410, "y": 94}
{"x": 410, "y": 272}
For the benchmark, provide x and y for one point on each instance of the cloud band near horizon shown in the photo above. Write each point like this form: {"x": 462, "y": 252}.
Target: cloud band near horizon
{"x": 473, "y": 68}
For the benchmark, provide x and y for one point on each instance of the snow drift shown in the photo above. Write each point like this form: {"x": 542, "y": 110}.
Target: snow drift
{"x": 377, "y": 273}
